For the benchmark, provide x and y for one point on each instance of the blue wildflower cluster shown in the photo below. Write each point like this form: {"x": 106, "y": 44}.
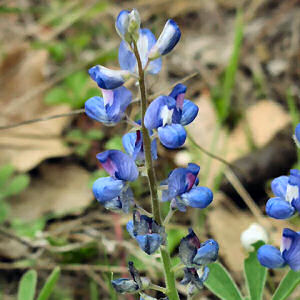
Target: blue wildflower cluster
{"x": 164, "y": 119}
{"x": 283, "y": 206}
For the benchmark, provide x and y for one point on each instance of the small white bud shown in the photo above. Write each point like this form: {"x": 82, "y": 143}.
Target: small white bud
{"x": 253, "y": 234}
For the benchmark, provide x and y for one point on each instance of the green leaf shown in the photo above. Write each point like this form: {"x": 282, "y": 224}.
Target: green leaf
{"x": 49, "y": 285}
{"x": 256, "y": 276}
{"x": 174, "y": 238}
{"x": 94, "y": 293}
{"x": 114, "y": 143}
{"x": 57, "y": 96}
{"x": 28, "y": 229}
{"x": 4, "y": 211}
{"x": 287, "y": 285}
{"x": 27, "y": 286}
{"x": 17, "y": 185}
{"x": 5, "y": 173}
{"x": 91, "y": 92}
{"x": 76, "y": 82}
{"x": 95, "y": 134}
{"x": 221, "y": 284}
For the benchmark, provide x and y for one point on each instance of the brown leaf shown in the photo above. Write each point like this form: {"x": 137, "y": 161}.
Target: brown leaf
{"x": 58, "y": 189}
{"x": 28, "y": 145}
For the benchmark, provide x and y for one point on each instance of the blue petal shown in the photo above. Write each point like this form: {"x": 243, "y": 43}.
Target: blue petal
{"x": 172, "y": 136}
{"x": 128, "y": 141}
{"x": 130, "y": 228}
{"x": 279, "y": 209}
{"x": 297, "y": 132}
{"x": 107, "y": 188}
{"x": 291, "y": 248}
{"x": 124, "y": 285}
{"x": 207, "y": 253}
{"x": 155, "y": 114}
{"x": 127, "y": 59}
{"x": 189, "y": 112}
{"x": 149, "y": 243}
{"x": 199, "y": 197}
{"x": 167, "y": 40}
{"x": 108, "y": 79}
{"x": 270, "y": 257}
{"x": 118, "y": 165}
{"x": 94, "y": 108}
{"x": 122, "y": 23}
{"x": 279, "y": 186}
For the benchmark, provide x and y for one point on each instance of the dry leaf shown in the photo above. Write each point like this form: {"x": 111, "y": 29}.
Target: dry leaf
{"x": 28, "y": 145}
{"x": 59, "y": 188}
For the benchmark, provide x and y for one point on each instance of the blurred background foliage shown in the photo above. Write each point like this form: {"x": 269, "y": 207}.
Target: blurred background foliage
{"x": 240, "y": 60}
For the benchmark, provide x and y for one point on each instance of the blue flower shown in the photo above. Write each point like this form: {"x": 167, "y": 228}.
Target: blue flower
{"x": 196, "y": 256}
{"x": 168, "y": 114}
{"x": 146, "y": 232}
{"x": 289, "y": 254}
{"x": 297, "y": 135}
{"x": 134, "y": 285}
{"x": 166, "y": 41}
{"x": 287, "y": 200}
{"x": 127, "y": 58}
{"x": 113, "y": 194}
{"x": 119, "y": 165}
{"x": 128, "y": 25}
{"x": 183, "y": 191}
{"x": 133, "y": 145}
{"x": 109, "y": 109}
{"x": 108, "y": 79}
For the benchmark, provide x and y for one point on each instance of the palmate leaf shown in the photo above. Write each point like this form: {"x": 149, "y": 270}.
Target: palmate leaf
{"x": 287, "y": 285}
{"x": 255, "y": 275}
{"x": 221, "y": 284}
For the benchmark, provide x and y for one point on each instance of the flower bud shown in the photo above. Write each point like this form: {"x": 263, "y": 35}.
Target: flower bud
{"x": 253, "y": 234}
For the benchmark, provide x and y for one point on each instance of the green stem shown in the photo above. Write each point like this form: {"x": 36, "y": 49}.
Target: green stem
{"x": 171, "y": 290}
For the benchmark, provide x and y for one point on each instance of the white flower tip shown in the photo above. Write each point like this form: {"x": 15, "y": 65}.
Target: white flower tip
{"x": 253, "y": 234}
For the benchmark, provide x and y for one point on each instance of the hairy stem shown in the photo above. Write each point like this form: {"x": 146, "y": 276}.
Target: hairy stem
{"x": 171, "y": 290}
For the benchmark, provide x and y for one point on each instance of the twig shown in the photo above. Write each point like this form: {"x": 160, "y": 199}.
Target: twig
{"x": 65, "y": 267}
{"x": 42, "y": 119}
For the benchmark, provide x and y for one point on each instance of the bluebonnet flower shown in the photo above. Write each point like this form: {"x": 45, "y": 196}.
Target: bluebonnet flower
{"x": 147, "y": 297}
{"x": 297, "y": 135}
{"x": 146, "y": 232}
{"x": 168, "y": 114}
{"x": 287, "y": 200}
{"x": 128, "y": 27}
{"x": 196, "y": 256}
{"x": 113, "y": 192}
{"x": 110, "y": 108}
{"x": 167, "y": 40}
{"x": 183, "y": 191}
{"x": 134, "y": 285}
{"x": 133, "y": 145}
{"x": 289, "y": 253}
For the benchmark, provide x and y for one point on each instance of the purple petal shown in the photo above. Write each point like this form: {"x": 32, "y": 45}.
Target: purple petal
{"x": 270, "y": 257}
{"x": 172, "y": 136}
{"x": 124, "y": 285}
{"x": 188, "y": 248}
{"x": 178, "y": 94}
{"x": 291, "y": 248}
{"x": 279, "y": 209}
{"x": 118, "y": 165}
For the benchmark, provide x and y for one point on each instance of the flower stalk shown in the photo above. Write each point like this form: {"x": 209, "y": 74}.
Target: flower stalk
{"x": 171, "y": 290}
